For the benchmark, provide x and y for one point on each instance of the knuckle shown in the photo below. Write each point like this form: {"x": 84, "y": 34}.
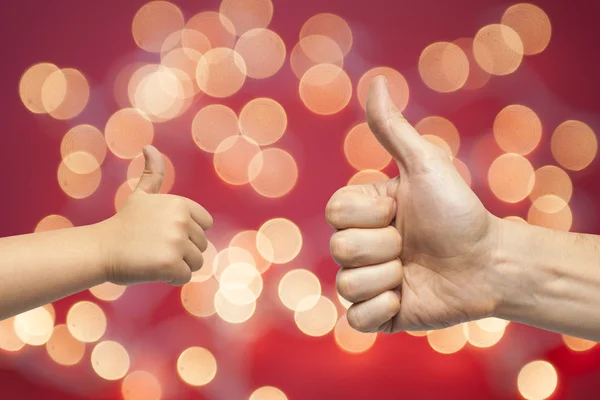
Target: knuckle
{"x": 390, "y": 304}
{"x": 356, "y": 319}
{"x": 334, "y": 212}
{"x": 168, "y": 259}
{"x": 343, "y": 250}
{"x": 344, "y": 285}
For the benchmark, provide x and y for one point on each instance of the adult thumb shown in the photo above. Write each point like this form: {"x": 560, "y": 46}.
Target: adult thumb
{"x": 154, "y": 171}
{"x": 391, "y": 129}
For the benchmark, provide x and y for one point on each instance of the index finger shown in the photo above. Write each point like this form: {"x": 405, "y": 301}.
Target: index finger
{"x": 199, "y": 214}
{"x": 356, "y": 209}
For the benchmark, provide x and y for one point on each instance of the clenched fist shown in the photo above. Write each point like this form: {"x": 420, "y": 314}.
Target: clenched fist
{"x": 154, "y": 237}
{"x": 414, "y": 250}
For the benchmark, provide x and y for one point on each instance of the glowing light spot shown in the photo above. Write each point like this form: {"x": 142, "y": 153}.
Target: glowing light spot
{"x": 574, "y": 145}
{"x": 215, "y": 26}
{"x": 317, "y": 320}
{"x": 197, "y": 366}
{"x": 263, "y": 120}
{"x": 439, "y": 142}
{"x": 463, "y": 170}
{"x": 233, "y": 158}
{"x": 110, "y": 360}
{"x": 350, "y": 340}
{"x": 448, "y": 340}
{"x": 212, "y": 125}
{"x": 577, "y": 344}
{"x": 198, "y": 297}
{"x": 515, "y": 219}
{"x": 9, "y": 341}
{"x": 181, "y": 63}
{"x": 263, "y": 52}
{"x": 107, "y": 291}
{"x": 221, "y": 72}
{"x": 268, "y": 393}
{"x": 34, "y": 327}
{"x": 517, "y": 129}
{"x": 53, "y": 222}
{"x": 30, "y": 86}
{"x": 65, "y": 93}
{"x": 367, "y": 176}
{"x": 229, "y": 256}
{"x": 274, "y": 173}
{"x": 160, "y": 92}
{"x": 299, "y": 290}
{"x": 444, "y": 67}
{"x": 78, "y": 186}
{"x": 345, "y": 303}
{"x": 136, "y": 169}
{"x": 550, "y": 179}
{"x": 325, "y": 89}
{"x": 363, "y": 150}
{"x": 154, "y": 22}
{"x": 537, "y": 380}
{"x": 313, "y": 50}
{"x": 511, "y": 177}
{"x": 477, "y": 77}
{"x": 247, "y": 240}
{"x": 498, "y": 49}
{"x": 231, "y": 312}
{"x": 560, "y": 219}
{"x": 127, "y": 132}
{"x": 443, "y": 128}
{"x": 417, "y": 333}
{"x": 247, "y": 14}
{"x": 206, "y": 271}
{"x": 141, "y": 385}
{"x": 397, "y": 86}
{"x": 481, "y": 338}
{"x": 329, "y": 25}
{"x": 122, "y": 194}
{"x": 86, "y": 321}
{"x": 283, "y": 237}
{"x": 241, "y": 284}
{"x": 532, "y": 24}
{"x": 492, "y": 324}
{"x": 63, "y": 348}
{"x": 85, "y": 139}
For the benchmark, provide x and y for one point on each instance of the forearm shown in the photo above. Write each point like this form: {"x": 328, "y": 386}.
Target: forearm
{"x": 39, "y": 268}
{"x": 550, "y": 279}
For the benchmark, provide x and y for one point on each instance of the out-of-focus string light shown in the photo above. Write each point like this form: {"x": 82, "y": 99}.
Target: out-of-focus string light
{"x": 161, "y": 94}
{"x": 141, "y": 385}
{"x": 53, "y": 222}
{"x": 231, "y": 312}
{"x": 397, "y": 86}
{"x": 136, "y": 169}
{"x": 107, "y": 291}
{"x": 537, "y": 380}
{"x": 317, "y": 320}
{"x": 190, "y": 40}
{"x": 197, "y": 366}
{"x": 247, "y": 240}
{"x": 325, "y": 89}
{"x": 417, "y": 333}
{"x": 532, "y": 24}
{"x": 212, "y": 125}
{"x": 215, "y": 26}
{"x": 127, "y": 132}
{"x": 274, "y": 173}
{"x": 313, "y": 50}
{"x": 551, "y": 179}
{"x": 478, "y": 337}
{"x": 492, "y": 324}
{"x": 241, "y": 284}
{"x": 78, "y": 186}
{"x": 31, "y": 83}
{"x": 367, "y": 176}
{"x": 263, "y": 120}
{"x": 65, "y": 93}
{"x": 448, "y": 340}
{"x": 441, "y": 127}
{"x": 228, "y": 256}
{"x": 122, "y": 194}
{"x": 181, "y": 64}
{"x": 299, "y": 285}
{"x": 86, "y": 321}
{"x": 463, "y": 170}
{"x": 154, "y": 22}
{"x": 221, "y": 72}
{"x": 444, "y": 67}
{"x": 110, "y": 360}
{"x": 280, "y": 239}
{"x": 34, "y": 327}
{"x": 351, "y": 340}
{"x": 198, "y": 297}
{"x": 363, "y": 150}
{"x": 9, "y": 340}
{"x": 574, "y": 145}
{"x": 206, "y": 271}
{"x": 517, "y": 129}
{"x": 233, "y": 158}
{"x": 560, "y": 217}
{"x": 63, "y": 348}
{"x": 578, "y": 344}
{"x": 247, "y": 14}
{"x": 332, "y": 26}
{"x": 268, "y": 393}
{"x": 511, "y": 177}
{"x": 498, "y": 49}
{"x": 477, "y": 76}
{"x": 263, "y": 52}
{"x": 83, "y": 139}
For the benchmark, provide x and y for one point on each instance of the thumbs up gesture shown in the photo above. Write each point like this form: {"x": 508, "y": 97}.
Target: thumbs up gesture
{"x": 154, "y": 237}
{"x": 415, "y": 250}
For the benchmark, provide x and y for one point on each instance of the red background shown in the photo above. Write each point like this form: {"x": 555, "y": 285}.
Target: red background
{"x": 95, "y": 37}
